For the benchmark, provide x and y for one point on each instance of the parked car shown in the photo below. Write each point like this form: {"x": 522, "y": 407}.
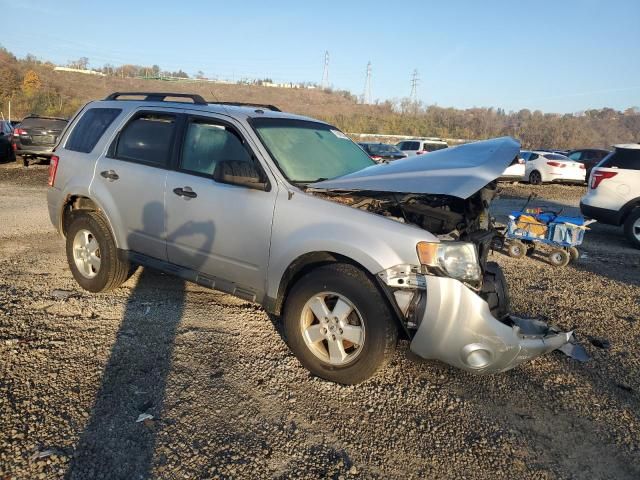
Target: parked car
{"x": 234, "y": 197}
{"x": 613, "y": 196}
{"x": 543, "y": 167}
{"x": 382, "y": 151}
{"x": 420, "y": 146}
{"x": 590, "y": 157}
{"x": 515, "y": 171}
{"x": 6, "y": 149}
{"x": 36, "y": 136}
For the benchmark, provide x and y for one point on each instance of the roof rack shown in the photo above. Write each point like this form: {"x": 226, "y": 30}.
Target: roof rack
{"x": 158, "y": 96}
{"x": 273, "y": 108}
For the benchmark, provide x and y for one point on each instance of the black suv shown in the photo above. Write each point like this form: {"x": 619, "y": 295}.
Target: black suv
{"x": 36, "y": 136}
{"x": 589, "y": 157}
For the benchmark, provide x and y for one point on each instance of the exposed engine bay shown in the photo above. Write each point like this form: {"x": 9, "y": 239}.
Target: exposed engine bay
{"x": 448, "y": 217}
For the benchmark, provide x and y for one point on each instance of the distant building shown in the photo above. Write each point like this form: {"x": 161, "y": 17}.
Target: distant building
{"x": 77, "y": 70}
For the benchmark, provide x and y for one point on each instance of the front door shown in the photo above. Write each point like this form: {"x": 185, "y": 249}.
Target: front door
{"x": 220, "y": 230}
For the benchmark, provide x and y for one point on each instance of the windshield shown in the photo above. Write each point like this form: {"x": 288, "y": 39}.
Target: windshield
{"x": 307, "y": 151}
{"x": 383, "y": 149}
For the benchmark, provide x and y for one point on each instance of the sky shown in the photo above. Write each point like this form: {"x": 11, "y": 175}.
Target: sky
{"x": 555, "y": 56}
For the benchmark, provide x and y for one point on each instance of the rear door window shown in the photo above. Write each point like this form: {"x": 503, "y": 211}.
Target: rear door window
{"x": 412, "y": 145}
{"x": 626, "y": 159}
{"x": 90, "y": 128}
{"x": 147, "y": 139}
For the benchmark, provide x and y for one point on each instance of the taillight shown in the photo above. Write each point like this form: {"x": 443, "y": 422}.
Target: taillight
{"x": 376, "y": 157}
{"x": 597, "y": 176}
{"x": 556, "y": 164}
{"x": 19, "y": 131}
{"x": 53, "y": 168}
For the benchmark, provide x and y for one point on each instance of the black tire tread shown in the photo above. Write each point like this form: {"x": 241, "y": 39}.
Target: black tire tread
{"x": 118, "y": 271}
{"x": 381, "y": 327}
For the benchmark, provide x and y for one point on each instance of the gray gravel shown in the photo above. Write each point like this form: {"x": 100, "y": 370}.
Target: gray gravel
{"x": 228, "y": 400}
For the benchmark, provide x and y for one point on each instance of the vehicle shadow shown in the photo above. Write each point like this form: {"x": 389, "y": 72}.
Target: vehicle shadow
{"x": 114, "y": 444}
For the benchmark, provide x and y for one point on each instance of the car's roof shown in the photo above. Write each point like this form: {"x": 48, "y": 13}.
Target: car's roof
{"x": 235, "y": 111}
{"x": 628, "y": 146}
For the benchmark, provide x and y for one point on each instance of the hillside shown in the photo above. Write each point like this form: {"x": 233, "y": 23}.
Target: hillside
{"x": 33, "y": 86}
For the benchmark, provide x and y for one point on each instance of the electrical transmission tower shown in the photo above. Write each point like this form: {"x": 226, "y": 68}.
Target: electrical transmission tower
{"x": 366, "y": 96}
{"x": 414, "y": 87}
{"x": 325, "y": 72}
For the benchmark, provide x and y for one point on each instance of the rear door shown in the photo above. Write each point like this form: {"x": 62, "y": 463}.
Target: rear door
{"x": 220, "y": 230}
{"x": 41, "y": 132}
{"x": 130, "y": 178}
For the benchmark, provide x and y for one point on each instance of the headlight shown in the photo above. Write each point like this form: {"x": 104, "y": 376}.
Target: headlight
{"x": 457, "y": 260}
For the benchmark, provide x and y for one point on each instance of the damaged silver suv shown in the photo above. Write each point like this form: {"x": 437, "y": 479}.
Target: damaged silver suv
{"x": 288, "y": 212}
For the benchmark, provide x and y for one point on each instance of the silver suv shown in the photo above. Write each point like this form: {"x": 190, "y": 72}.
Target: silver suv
{"x": 288, "y": 212}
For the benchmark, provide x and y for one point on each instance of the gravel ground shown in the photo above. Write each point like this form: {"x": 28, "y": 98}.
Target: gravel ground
{"x": 228, "y": 400}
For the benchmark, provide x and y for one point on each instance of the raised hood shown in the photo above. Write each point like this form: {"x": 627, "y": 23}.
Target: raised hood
{"x": 457, "y": 171}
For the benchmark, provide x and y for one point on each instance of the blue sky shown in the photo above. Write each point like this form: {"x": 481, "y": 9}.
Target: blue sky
{"x": 556, "y": 56}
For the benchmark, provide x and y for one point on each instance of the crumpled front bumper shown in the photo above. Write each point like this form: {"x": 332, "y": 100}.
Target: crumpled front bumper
{"x": 458, "y": 328}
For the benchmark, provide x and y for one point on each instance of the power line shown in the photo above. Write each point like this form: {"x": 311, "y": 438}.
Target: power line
{"x": 325, "y": 71}
{"x": 414, "y": 86}
{"x": 366, "y": 96}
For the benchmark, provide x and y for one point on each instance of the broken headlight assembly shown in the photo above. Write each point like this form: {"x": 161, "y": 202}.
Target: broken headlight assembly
{"x": 457, "y": 260}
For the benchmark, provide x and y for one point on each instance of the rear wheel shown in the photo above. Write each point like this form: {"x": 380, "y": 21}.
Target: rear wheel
{"x": 559, "y": 257}
{"x": 516, "y": 249}
{"x": 92, "y": 253}
{"x": 632, "y": 227}
{"x": 535, "y": 178}
{"x": 338, "y": 324}
{"x": 574, "y": 254}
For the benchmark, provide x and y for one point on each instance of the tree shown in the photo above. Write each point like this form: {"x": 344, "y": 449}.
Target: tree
{"x": 31, "y": 83}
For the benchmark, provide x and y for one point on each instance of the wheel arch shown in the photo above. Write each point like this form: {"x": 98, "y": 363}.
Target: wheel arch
{"x": 78, "y": 202}
{"x": 627, "y": 208}
{"x": 308, "y": 262}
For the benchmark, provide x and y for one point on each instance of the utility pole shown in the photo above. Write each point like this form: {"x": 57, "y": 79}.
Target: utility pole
{"x": 366, "y": 96}
{"x": 325, "y": 72}
{"x": 414, "y": 87}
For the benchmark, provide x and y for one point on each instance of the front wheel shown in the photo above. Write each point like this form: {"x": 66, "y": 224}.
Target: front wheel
{"x": 632, "y": 227}
{"x": 559, "y": 258}
{"x": 338, "y": 324}
{"x": 516, "y": 249}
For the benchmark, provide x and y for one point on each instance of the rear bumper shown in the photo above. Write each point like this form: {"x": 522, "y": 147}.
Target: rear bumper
{"x": 458, "y": 328}
{"x": 36, "y": 151}
{"x": 564, "y": 178}
{"x": 602, "y": 215}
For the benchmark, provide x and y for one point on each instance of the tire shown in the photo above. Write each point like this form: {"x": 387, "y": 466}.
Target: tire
{"x": 371, "y": 317}
{"x": 495, "y": 291}
{"x": 111, "y": 272}
{"x": 559, "y": 257}
{"x": 535, "y": 178}
{"x": 516, "y": 249}
{"x": 22, "y": 161}
{"x": 574, "y": 254}
{"x": 632, "y": 227}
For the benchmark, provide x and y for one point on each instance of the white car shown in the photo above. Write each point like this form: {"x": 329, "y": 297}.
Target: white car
{"x": 544, "y": 167}
{"x": 515, "y": 171}
{"x": 421, "y": 145}
{"x": 613, "y": 196}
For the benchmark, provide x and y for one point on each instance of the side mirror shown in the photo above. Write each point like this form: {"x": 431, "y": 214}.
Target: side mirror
{"x": 241, "y": 173}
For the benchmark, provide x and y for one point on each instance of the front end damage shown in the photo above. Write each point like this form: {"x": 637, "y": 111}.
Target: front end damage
{"x": 452, "y": 323}
{"x": 453, "y": 313}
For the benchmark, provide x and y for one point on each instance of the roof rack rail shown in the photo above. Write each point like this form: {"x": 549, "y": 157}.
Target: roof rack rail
{"x": 158, "y": 96}
{"x": 273, "y": 108}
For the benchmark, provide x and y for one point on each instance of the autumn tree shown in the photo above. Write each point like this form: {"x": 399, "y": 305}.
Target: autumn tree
{"x": 31, "y": 83}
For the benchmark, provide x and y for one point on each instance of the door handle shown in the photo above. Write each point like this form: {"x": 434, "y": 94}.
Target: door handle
{"x": 185, "y": 192}
{"x": 110, "y": 175}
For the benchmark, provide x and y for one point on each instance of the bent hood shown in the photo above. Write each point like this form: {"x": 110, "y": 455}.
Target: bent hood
{"x": 457, "y": 171}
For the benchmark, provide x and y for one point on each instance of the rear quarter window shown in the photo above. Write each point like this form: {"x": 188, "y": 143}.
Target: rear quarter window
{"x": 625, "y": 159}
{"x": 90, "y": 128}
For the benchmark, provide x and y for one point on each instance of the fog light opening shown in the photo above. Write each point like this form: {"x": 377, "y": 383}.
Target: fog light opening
{"x": 477, "y": 356}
